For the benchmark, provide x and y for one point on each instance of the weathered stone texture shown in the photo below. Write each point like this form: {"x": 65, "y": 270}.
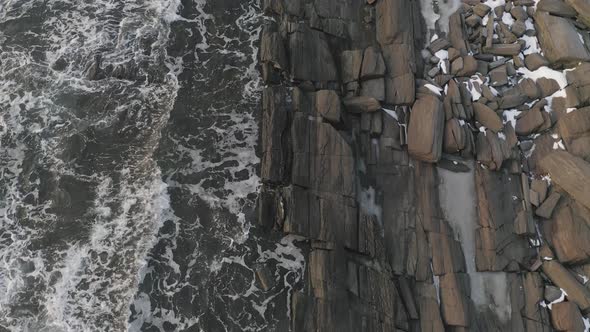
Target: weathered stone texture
{"x": 425, "y": 133}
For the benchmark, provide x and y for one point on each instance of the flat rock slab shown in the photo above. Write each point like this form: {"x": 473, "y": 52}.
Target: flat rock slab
{"x": 565, "y": 280}
{"x": 560, "y": 40}
{"x": 556, "y": 7}
{"x": 426, "y": 129}
{"x": 583, "y": 9}
{"x": 570, "y": 173}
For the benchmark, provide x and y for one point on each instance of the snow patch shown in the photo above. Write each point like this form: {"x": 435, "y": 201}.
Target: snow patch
{"x": 433, "y": 88}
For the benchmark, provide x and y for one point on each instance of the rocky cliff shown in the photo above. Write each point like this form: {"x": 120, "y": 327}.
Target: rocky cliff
{"x": 436, "y": 171}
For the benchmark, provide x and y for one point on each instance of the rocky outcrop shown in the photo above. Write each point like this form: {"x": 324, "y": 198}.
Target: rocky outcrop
{"x": 358, "y": 121}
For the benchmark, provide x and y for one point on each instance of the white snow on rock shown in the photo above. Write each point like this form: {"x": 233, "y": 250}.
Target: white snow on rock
{"x": 510, "y": 117}
{"x": 507, "y": 19}
{"x": 532, "y": 45}
{"x": 558, "y": 145}
{"x": 442, "y": 54}
{"x": 433, "y": 88}
{"x": 391, "y": 113}
{"x": 475, "y": 95}
{"x": 546, "y": 72}
{"x": 559, "y": 300}
{"x": 495, "y": 3}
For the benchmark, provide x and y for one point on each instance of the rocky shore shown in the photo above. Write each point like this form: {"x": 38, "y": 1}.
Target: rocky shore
{"x": 438, "y": 173}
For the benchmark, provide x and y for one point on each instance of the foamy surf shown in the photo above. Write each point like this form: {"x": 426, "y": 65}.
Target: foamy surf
{"x": 84, "y": 92}
{"x": 128, "y": 135}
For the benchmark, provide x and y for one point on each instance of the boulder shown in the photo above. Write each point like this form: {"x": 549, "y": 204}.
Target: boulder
{"x": 529, "y": 122}
{"x": 548, "y": 86}
{"x": 400, "y": 83}
{"x": 487, "y": 117}
{"x": 582, "y": 7}
{"x": 373, "y": 64}
{"x": 546, "y": 209}
{"x": 529, "y": 88}
{"x": 439, "y": 44}
{"x": 465, "y": 66}
{"x": 513, "y": 100}
{"x": 328, "y": 105}
{"x": 566, "y": 316}
{"x": 454, "y": 139}
{"x": 564, "y": 279}
{"x": 543, "y": 146}
{"x": 578, "y": 91}
{"x": 574, "y": 129}
{"x": 535, "y": 316}
{"x": 456, "y": 35}
{"x": 559, "y": 40}
{"x": 473, "y": 21}
{"x": 489, "y": 150}
{"x": 481, "y": 9}
{"x": 426, "y": 129}
{"x": 535, "y": 61}
{"x": 519, "y": 13}
{"x": 552, "y": 293}
{"x": 540, "y": 187}
{"x": 569, "y": 235}
{"x": 518, "y": 28}
{"x": 361, "y": 104}
{"x": 503, "y": 49}
{"x": 570, "y": 173}
{"x": 498, "y": 76}
{"x": 557, "y": 8}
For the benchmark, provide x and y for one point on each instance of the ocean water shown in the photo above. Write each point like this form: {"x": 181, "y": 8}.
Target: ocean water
{"x": 128, "y": 169}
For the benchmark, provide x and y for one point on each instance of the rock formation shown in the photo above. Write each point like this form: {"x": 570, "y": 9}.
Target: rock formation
{"x": 365, "y": 110}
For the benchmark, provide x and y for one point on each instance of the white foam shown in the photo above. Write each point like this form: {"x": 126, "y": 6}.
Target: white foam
{"x": 73, "y": 284}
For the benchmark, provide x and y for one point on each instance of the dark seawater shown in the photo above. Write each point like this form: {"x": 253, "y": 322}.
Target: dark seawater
{"x": 201, "y": 274}
{"x": 128, "y": 182}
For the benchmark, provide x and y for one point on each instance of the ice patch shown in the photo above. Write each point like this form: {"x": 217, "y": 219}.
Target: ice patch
{"x": 440, "y": 19}
{"x": 368, "y": 204}
{"x": 488, "y": 290}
